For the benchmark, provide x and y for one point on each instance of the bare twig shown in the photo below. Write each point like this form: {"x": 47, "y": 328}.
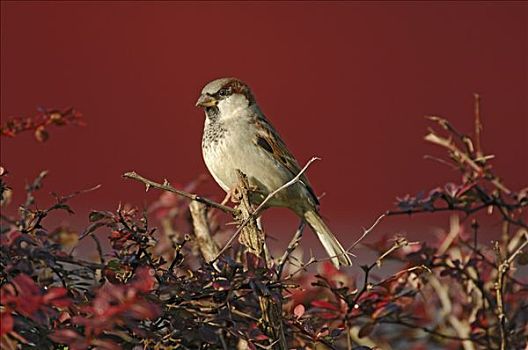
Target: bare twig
{"x": 294, "y": 243}
{"x": 399, "y": 243}
{"x": 167, "y": 187}
{"x": 367, "y": 231}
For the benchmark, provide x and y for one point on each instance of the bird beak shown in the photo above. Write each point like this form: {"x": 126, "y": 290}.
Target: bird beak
{"x": 206, "y": 101}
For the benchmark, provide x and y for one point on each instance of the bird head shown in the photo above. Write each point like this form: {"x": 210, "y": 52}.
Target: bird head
{"x": 225, "y": 97}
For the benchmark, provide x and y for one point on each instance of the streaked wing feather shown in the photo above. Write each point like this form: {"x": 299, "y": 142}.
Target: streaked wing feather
{"x": 270, "y": 141}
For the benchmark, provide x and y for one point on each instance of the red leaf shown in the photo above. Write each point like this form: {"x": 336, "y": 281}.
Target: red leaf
{"x": 63, "y": 317}
{"x": 54, "y": 293}
{"x": 25, "y": 285}
{"x": 385, "y": 310}
{"x": 144, "y": 310}
{"x": 261, "y": 337}
{"x": 64, "y": 336}
{"x": 144, "y": 280}
{"x": 9, "y": 238}
{"x": 329, "y": 270}
{"x": 7, "y": 322}
{"x": 324, "y": 305}
{"x": 327, "y": 315}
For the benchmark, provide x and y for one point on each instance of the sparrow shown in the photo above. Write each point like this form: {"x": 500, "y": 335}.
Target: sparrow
{"x": 237, "y": 135}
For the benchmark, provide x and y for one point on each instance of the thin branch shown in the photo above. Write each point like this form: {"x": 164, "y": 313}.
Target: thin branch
{"x": 518, "y": 251}
{"x": 399, "y": 243}
{"x": 167, "y": 187}
{"x": 366, "y": 232}
{"x": 294, "y": 243}
{"x": 499, "y": 284}
{"x": 470, "y": 210}
{"x": 478, "y": 125}
{"x": 503, "y": 266}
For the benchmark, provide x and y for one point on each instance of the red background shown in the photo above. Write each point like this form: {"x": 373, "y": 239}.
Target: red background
{"x": 349, "y": 82}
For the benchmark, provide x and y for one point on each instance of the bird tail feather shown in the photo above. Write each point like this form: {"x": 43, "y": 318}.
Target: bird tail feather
{"x": 335, "y": 250}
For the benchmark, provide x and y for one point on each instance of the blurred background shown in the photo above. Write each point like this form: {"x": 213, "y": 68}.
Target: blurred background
{"x": 349, "y": 82}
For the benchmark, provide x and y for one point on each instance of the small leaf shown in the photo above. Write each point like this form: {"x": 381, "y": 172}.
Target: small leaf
{"x": 54, "y": 293}
{"x": 96, "y": 215}
{"x": 64, "y": 336}
{"x": 324, "y": 305}
{"x": 41, "y": 134}
{"x": 7, "y": 323}
{"x": 299, "y": 311}
{"x": 64, "y": 207}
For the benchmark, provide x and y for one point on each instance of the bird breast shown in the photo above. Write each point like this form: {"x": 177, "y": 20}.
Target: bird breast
{"x": 230, "y": 147}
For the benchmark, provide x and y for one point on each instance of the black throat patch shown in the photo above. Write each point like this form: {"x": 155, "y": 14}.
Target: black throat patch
{"x": 212, "y": 113}
{"x": 214, "y": 130}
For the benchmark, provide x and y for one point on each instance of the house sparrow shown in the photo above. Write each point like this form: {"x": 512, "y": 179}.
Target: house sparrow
{"x": 237, "y": 135}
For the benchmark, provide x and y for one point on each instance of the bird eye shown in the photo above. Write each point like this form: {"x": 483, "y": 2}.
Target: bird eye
{"x": 223, "y": 92}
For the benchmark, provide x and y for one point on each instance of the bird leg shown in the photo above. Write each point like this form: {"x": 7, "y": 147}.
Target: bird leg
{"x": 230, "y": 195}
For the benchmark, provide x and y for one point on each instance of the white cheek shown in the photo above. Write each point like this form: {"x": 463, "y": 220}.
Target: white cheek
{"x": 232, "y": 105}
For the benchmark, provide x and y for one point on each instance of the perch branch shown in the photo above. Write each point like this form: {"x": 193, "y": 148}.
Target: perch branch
{"x": 167, "y": 187}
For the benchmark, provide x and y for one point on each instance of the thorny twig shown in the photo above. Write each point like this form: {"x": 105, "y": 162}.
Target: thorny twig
{"x": 366, "y": 232}
{"x": 167, "y": 187}
{"x": 294, "y": 243}
{"x": 399, "y": 243}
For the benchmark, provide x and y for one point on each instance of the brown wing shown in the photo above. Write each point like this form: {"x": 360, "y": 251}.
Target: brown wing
{"x": 270, "y": 141}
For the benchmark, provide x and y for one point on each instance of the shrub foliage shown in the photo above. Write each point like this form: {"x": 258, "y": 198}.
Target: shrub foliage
{"x": 165, "y": 277}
